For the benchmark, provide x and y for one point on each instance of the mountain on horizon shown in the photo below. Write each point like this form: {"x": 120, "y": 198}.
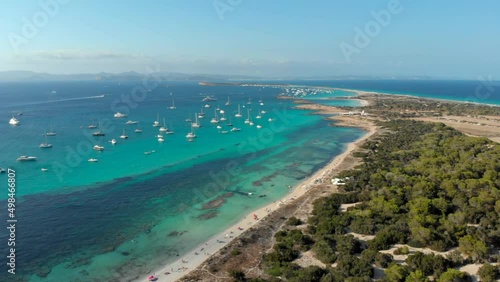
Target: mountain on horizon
{"x": 15, "y": 76}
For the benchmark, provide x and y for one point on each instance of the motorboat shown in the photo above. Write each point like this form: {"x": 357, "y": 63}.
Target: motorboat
{"x": 98, "y": 148}
{"x": 26, "y": 159}
{"x": 120, "y": 115}
{"x": 14, "y": 121}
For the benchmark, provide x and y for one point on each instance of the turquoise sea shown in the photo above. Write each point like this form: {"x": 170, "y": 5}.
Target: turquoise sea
{"x": 144, "y": 202}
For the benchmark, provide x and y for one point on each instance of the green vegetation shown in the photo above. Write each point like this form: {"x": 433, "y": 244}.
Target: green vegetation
{"x": 237, "y": 275}
{"x": 293, "y": 221}
{"x": 489, "y": 273}
{"x": 422, "y": 184}
{"x": 235, "y": 252}
{"x": 388, "y": 106}
{"x": 402, "y": 251}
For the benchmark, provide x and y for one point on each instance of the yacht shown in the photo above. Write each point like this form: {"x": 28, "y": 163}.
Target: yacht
{"x": 248, "y": 120}
{"x": 170, "y": 131}
{"x": 45, "y": 145}
{"x": 132, "y": 122}
{"x": 14, "y": 121}
{"x": 196, "y": 123}
{"x": 235, "y": 129}
{"x": 92, "y": 126}
{"x": 160, "y": 139}
{"x": 113, "y": 141}
{"x": 201, "y": 114}
{"x": 98, "y": 132}
{"x": 214, "y": 119}
{"x": 238, "y": 115}
{"x": 156, "y": 123}
{"x": 138, "y": 129}
{"x": 164, "y": 127}
{"x": 44, "y": 169}
{"x": 93, "y": 160}
{"x": 191, "y": 134}
{"x": 120, "y": 115}
{"x": 263, "y": 112}
{"x": 270, "y": 119}
{"x": 98, "y": 148}
{"x": 51, "y": 132}
{"x": 209, "y": 99}
{"x": 123, "y": 136}
{"x": 173, "y": 105}
{"x": 207, "y": 106}
{"x": 26, "y": 159}
{"x": 223, "y": 118}
{"x": 259, "y": 126}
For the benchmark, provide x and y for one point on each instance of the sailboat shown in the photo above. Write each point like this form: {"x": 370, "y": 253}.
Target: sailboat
{"x": 138, "y": 129}
{"x": 156, "y": 123}
{"x": 169, "y": 130}
{"x": 164, "y": 127}
{"x": 98, "y": 132}
{"x": 247, "y": 120}
{"x": 238, "y": 115}
{"x": 51, "y": 132}
{"x": 173, "y": 105}
{"x": 258, "y": 115}
{"x": 123, "y": 136}
{"x": 201, "y": 114}
{"x": 191, "y": 134}
{"x": 45, "y": 145}
{"x": 91, "y": 125}
{"x": 196, "y": 123}
{"x": 228, "y": 103}
{"x": 214, "y": 119}
{"x": 230, "y": 122}
{"x": 223, "y": 118}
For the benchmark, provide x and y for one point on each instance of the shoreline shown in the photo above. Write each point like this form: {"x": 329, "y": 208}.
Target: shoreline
{"x": 201, "y": 253}
{"x": 359, "y": 93}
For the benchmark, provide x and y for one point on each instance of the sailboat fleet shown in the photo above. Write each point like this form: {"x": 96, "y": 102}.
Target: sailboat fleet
{"x": 219, "y": 124}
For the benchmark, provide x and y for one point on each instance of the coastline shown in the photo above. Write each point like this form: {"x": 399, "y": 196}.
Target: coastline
{"x": 193, "y": 259}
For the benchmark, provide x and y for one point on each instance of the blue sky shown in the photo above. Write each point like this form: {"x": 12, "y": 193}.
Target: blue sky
{"x": 253, "y": 37}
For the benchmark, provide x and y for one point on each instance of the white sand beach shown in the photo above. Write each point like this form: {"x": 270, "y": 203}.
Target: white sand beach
{"x": 198, "y": 255}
